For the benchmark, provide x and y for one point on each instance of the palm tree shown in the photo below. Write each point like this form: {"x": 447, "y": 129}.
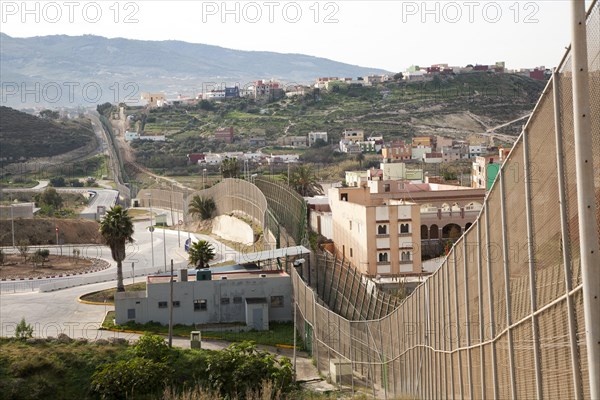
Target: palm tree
{"x": 116, "y": 229}
{"x": 201, "y": 253}
{"x": 360, "y": 157}
{"x": 204, "y": 207}
{"x": 304, "y": 181}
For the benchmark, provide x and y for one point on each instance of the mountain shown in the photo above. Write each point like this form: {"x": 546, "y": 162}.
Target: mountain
{"x": 169, "y": 66}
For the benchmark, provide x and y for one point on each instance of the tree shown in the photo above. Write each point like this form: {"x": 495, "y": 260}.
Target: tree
{"x": 116, "y": 229}
{"x": 230, "y": 168}
{"x": 304, "y": 181}
{"x": 57, "y": 181}
{"x": 36, "y": 259}
{"x": 204, "y": 207}
{"x": 201, "y": 253}
{"x": 41, "y": 256}
{"x": 23, "y": 330}
{"x": 23, "y": 248}
{"x": 49, "y": 114}
{"x": 50, "y": 197}
{"x": 399, "y": 76}
{"x": 360, "y": 157}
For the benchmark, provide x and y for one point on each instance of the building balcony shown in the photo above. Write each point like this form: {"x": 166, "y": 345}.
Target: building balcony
{"x": 382, "y": 236}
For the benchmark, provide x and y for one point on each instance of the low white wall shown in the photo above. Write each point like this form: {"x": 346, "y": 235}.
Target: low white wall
{"x": 234, "y": 229}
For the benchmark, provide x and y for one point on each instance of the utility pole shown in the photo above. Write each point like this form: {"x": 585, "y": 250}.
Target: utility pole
{"x": 165, "y": 246}
{"x": 171, "y": 307}
{"x": 586, "y": 201}
{"x": 12, "y": 222}
{"x": 151, "y": 227}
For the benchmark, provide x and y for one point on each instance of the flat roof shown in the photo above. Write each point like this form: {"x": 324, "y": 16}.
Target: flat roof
{"x": 218, "y": 275}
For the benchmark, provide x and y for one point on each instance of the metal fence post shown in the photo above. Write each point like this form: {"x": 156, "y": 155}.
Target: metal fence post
{"x": 491, "y": 299}
{"x": 566, "y": 243}
{"x": 513, "y": 381}
{"x": 467, "y": 318}
{"x": 480, "y": 305}
{"x": 456, "y": 311}
{"x": 531, "y": 262}
{"x": 586, "y": 202}
{"x": 449, "y": 327}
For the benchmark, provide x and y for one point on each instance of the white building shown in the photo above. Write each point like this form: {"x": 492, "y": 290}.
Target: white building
{"x": 254, "y": 298}
{"x": 419, "y": 151}
{"x": 129, "y": 136}
{"x": 314, "y": 136}
{"x": 476, "y": 151}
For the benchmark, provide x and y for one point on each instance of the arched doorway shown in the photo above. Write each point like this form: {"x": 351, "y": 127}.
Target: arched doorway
{"x": 434, "y": 232}
{"x": 451, "y": 231}
{"x": 424, "y": 232}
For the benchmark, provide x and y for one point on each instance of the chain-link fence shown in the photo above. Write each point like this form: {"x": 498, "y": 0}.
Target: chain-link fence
{"x": 503, "y": 317}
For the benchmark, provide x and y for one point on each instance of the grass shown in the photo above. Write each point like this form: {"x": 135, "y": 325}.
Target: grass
{"x": 51, "y": 370}
{"x": 279, "y": 332}
{"x": 108, "y": 295}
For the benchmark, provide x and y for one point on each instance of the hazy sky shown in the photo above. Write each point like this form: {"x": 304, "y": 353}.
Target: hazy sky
{"x": 384, "y": 34}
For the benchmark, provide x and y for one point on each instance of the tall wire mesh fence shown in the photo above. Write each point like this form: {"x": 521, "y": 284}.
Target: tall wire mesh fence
{"x": 503, "y": 316}
{"x": 288, "y": 208}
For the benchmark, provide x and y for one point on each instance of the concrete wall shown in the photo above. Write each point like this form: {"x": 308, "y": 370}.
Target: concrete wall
{"x": 225, "y": 301}
{"x": 234, "y": 229}
{"x": 19, "y": 210}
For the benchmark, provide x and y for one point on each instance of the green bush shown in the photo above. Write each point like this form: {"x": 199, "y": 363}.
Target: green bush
{"x": 151, "y": 347}
{"x": 128, "y": 378}
{"x": 23, "y": 330}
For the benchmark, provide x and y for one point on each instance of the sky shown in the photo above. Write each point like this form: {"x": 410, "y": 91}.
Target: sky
{"x": 391, "y": 35}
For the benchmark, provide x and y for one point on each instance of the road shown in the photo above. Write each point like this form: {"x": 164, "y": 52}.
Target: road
{"x": 102, "y": 197}
{"x": 491, "y": 132}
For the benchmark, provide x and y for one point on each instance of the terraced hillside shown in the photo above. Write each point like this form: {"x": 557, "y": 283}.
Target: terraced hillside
{"x": 457, "y": 106}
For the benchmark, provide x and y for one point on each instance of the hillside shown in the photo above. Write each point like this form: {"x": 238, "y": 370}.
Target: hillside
{"x": 458, "y": 106}
{"x": 171, "y": 66}
{"x": 27, "y": 136}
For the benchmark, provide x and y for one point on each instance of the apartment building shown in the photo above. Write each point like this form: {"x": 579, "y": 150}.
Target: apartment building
{"x": 377, "y": 236}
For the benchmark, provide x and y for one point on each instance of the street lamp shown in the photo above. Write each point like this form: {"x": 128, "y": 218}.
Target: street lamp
{"x": 12, "y": 222}
{"x": 151, "y": 227}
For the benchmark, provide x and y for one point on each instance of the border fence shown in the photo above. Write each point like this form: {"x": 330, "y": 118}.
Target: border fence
{"x": 503, "y": 317}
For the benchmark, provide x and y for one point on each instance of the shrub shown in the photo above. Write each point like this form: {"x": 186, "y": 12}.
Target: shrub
{"x": 151, "y": 347}
{"x": 125, "y": 378}
{"x": 23, "y": 330}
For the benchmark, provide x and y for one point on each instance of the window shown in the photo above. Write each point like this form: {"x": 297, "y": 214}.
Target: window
{"x": 276, "y": 301}
{"x": 350, "y": 251}
{"x": 405, "y": 256}
{"x": 200, "y": 305}
{"x": 224, "y": 300}
{"x": 131, "y": 313}
{"x": 344, "y": 197}
{"x": 383, "y": 257}
{"x": 237, "y": 300}
{"x": 176, "y": 303}
{"x": 386, "y": 187}
{"x": 350, "y": 224}
{"x": 382, "y": 230}
{"x": 404, "y": 228}
{"x": 163, "y": 304}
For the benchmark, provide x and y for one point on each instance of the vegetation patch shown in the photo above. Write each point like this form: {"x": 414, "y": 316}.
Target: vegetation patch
{"x": 67, "y": 369}
{"x": 279, "y": 333}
